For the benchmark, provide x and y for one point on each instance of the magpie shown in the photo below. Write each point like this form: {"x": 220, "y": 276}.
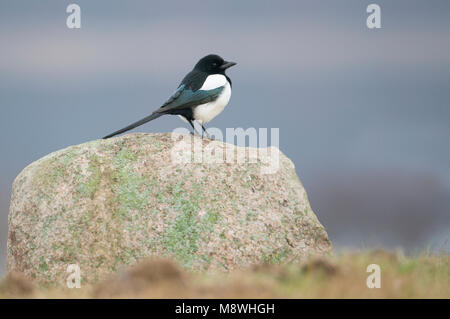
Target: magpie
{"x": 202, "y": 95}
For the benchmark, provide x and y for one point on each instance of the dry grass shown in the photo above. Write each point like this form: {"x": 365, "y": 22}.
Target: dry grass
{"x": 341, "y": 276}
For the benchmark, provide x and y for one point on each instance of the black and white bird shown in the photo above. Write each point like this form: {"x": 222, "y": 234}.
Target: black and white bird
{"x": 201, "y": 96}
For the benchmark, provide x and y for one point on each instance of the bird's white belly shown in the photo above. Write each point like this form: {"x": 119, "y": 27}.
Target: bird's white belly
{"x": 206, "y": 112}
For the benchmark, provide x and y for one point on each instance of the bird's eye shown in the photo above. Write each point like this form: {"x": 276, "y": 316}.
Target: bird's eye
{"x": 214, "y": 64}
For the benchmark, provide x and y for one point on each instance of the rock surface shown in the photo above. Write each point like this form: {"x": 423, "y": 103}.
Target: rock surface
{"x": 105, "y": 204}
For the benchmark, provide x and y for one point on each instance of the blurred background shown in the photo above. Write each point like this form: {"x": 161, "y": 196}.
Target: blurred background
{"x": 364, "y": 114}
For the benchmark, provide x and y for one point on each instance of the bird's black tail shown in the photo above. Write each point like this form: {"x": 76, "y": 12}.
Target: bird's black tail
{"x": 136, "y": 124}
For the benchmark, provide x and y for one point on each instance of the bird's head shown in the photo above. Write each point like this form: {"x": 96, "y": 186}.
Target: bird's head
{"x": 213, "y": 64}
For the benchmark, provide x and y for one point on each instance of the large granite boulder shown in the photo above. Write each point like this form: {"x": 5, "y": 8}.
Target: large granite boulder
{"x": 107, "y": 203}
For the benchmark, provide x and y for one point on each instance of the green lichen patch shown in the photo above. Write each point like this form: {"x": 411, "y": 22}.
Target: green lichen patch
{"x": 183, "y": 235}
{"x": 132, "y": 190}
{"x": 91, "y": 185}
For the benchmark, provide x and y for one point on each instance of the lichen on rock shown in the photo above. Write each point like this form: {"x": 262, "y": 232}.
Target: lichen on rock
{"x": 106, "y": 204}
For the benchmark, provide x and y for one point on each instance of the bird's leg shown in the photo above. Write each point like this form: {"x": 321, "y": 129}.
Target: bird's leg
{"x": 207, "y": 134}
{"x": 193, "y": 127}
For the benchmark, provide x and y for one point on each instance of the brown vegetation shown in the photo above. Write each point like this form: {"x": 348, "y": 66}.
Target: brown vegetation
{"x": 341, "y": 276}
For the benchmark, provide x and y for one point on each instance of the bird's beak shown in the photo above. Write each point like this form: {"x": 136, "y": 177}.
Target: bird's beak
{"x": 227, "y": 65}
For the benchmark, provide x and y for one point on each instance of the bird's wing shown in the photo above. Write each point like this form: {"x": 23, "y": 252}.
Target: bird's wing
{"x": 184, "y": 98}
